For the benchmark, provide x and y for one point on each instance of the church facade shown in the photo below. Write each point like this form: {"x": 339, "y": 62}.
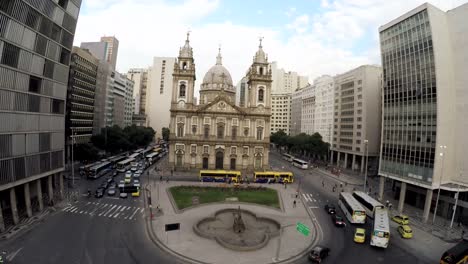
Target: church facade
{"x": 216, "y": 133}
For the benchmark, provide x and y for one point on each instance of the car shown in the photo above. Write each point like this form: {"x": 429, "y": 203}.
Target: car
{"x": 128, "y": 173}
{"x": 136, "y": 183}
{"x": 405, "y": 231}
{"x": 112, "y": 185}
{"x": 338, "y": 220}
{"x": 121, "y": 184}
{"x": 128, "y": 180}
{"x": 319, "y": 253}
{"x": 360, "y": 235}
{"x": 109, "y": 179}
{"x": 139, "y": 171}
{"x": 136, "y": 194}
{"x": 401, "y": 219}
{"x": 137, "y": 175}
{"x": 123, "y": 195}
{"x": 99, "y": 193}
{"x": 111, "y": 191}
{"x": 104, "y": 185}
{"x": 330, "y": 209}
{"x": 134, "y": 169}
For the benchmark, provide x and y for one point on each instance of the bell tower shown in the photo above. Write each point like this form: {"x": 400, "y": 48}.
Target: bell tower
{"x": 259, "y": 81}
{"x": 183, "y": 77}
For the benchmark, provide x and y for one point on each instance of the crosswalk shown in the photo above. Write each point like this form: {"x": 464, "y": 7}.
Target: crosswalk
{"x": 99, "y": 209}
{"x": 311, "y": 199}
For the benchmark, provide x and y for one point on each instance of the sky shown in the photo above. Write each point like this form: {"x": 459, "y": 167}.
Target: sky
{"x": 311, "y": 37}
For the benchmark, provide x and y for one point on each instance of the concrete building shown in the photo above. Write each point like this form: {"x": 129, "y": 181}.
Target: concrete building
{"x": 103, "y": 103}
{"x": 80, "y": 98}
{"x": 105, "y": 50}
{"x": 356, "y": 133}
{"x": 129, "y": 101}
{"x": 324, "y": 107}
{"x": 122, "y": 100}
{"x": 425, "y": 105}
{"x": 286, "y": 81}
{"x": 242, "y": 94}
{"x": 296, "y": 112}
{"x": 140, "y": 79}
{"x": 217, "y": 134}
{"x": 36, "y": 40}
{"x": 308, "y": 110}
{"x": 281, "y": 112}
{"x": 159, "y": 93}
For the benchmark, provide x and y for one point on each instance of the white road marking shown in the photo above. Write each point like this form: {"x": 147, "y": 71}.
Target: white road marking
{"x": 315, "y": 201}
{"x": 74, "y": 210}
{"x": 116, "y": 211}
{"x": 313, "y": 207}
{"x": 108, "y": 211}
{"x": 12, "y": 255}
{"x": 131, "y": 217}
{"x": 306, "y": 197}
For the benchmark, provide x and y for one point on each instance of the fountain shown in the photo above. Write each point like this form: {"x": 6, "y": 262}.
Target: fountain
{"x": 237, "y": 229}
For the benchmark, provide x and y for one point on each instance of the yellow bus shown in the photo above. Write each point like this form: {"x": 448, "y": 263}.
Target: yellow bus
{"x": 220, "y": 176}
{"x": 273, "y": 177}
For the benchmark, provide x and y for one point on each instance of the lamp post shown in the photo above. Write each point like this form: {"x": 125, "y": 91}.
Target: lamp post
{"x": 72, "y": 157}
{"x": 366, "y": 142}
{"x": 442, "y": 147}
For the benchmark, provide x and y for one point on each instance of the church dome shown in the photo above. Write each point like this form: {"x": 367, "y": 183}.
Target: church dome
{"x": 217, "y": 77}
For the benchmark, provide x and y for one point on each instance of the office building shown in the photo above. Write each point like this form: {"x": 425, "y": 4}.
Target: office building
{"x": 140, "y": 79}
{"x": 105, "y": 50}
{"x": 308, "y": 110}
{"x": 36, "y": 40}
{"x": 159, "y": 93}
{"x": 296, "y": 112}
{"x": 242, "y": 94}
{"x": 357, "y": 119}
{"x": 103, "y": 103}
{"x": 129, "y": 101}
{"x": 324, "y": 107}
{"x": 281, "y": 112}
{"x": 286, "y": 81}
{"x": 424, "y": 58}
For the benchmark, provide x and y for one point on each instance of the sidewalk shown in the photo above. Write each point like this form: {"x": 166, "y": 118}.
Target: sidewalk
{"x": 185, "y": 242}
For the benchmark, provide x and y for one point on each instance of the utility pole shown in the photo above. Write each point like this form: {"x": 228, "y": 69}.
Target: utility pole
{"x": 442, "y": 147}
{"x": 73, "y": 160}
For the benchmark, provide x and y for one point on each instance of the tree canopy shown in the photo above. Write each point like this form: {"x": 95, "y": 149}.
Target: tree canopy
{"x": 307, "y": 145}
{"x": 115, "y": 139}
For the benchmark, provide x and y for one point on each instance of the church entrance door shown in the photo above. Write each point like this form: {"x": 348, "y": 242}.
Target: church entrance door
{"x": 219, "y": 160}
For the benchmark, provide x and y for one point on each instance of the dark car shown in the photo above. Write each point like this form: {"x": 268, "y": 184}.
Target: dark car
{"x": 111, "y": 191}
{"x": 330, "y": 208}
{"x": 319, "y": 253}
{"x": 338, "y": 220}
{"x": 112, "y": 185}
{"x": 104, "y": 185}
{"x": 110, "y": 179}
{"x": 99, "y": 193}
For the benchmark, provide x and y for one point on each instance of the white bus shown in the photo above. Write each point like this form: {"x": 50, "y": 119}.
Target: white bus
{"x": 134, "y": 156}
{"x": 369, "y": 203}
{"x": 380, "y": 235}
{"x": 354, "y": 211}
{"x": 124, "y": 165}
{"x": 300, "y": 164}
{"x": 100, "y": 169}
{"x": 288, "y": 157}
{"x": 154, "y": 156}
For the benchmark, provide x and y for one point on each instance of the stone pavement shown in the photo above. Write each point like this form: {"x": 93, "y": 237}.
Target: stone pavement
{"x": 197, "y": 249}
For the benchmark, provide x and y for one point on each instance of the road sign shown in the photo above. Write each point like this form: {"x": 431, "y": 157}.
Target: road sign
{"x": 303, "y": 229}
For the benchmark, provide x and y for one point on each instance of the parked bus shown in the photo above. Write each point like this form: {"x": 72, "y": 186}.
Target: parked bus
{"x": 300, "y": 164}
{"x": 220, "y": 176}
{"x": 380, "y": 234}
{"x": 99, "y": 170}
{"x": 84, "y": 170}
{"x": 152, "y": 157}
{"x": 354, "y": 211}
{"x": 124, "y": 165}
{"x": 146, "y": 152}
{"x": 116, "y": 159}
{"x": 288, "y": 157}
{"x": 273, "y": 177}
{"x": 369, "y": 203}
{"x": 456, "y": 255}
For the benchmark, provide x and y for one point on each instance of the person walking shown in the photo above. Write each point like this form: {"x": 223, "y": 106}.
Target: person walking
{"x": 294, "y": 204}
{"x": 284, "y": 185}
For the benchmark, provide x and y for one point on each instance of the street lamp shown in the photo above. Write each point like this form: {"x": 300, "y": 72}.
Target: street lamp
{"x": 442, "y": 147}
{"x": 72, "y": 157}
{"x": 366, "y": 142}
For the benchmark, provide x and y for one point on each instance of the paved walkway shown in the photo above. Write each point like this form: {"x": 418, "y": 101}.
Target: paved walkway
{"x": 185, "y": 242}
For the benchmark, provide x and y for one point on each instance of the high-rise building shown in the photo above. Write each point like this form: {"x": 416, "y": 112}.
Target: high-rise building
{"x": 357, "y": 118}
{"x": 425, "y": 104}
{"x": 129, "y": 101}
{"x": 36, "y": 39}
{"x": 242, "y": 94}
{"x": 308, "y": 110}
{"x": 286, "y": 81}
{"x": 122, "y": 100}
{"x": 159, "y": 93}
{"x": 324, "y": 102}
{"x": 103, "y": 103}
{"x": 296, "y": 112}
{"x": 140, "y": 78}
{"x": 280, "y": 112}
{"x": 80, "y": 97}
{"x": 105, "y": 50}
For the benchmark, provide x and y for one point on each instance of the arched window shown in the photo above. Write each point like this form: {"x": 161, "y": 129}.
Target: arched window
{"x": 184, "y": 66}
{"x": 261, "y": 70}
{"x": 206, "y": 132}
{"x": 180, "y": 130}
{"x": 182, "y": 90}
{"x": 260, "y": 95}
{"x": 220, "y": 131}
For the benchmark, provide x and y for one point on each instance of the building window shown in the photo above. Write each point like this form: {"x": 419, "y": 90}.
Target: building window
{"x": 194, "y": 129}
{"x": 220, "y": 132}
{"x": 10, "y": 55}
{"x": 259, "y": 133}
{"x": 246, "y": 132}
{"x": 35, "y": 84}
{"x": 194, "y": 149}
{"x": 260, "y": 95}
{"x": 206, "y": 132}
{"x": 245, "y": 151}
{"x": 234, "y": 133}
{"x": 182, "y": 90}
{"x": 205, "y": 149}
{"x": 180, "y": 130}
{"x": 233, "y": 150}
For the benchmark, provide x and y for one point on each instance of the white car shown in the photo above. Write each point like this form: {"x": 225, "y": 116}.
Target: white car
{"x": 136, "y": 175}
{"x": 136, "y": 183}
{"x": 121, "y": 184}
{"x": 134, "y": 168}
{"x": 139, "y": 171}
{"x": 128, "y": 173}
{"x": 123, "y": 195}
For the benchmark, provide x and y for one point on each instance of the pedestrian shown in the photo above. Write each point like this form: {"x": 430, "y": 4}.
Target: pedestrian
{"x": 334, "y": 188}
{"x": 323, "y": 184}
{"x": 341, "y": 185}
{"x": 284, "y": 185}
{"x": 294, "y": 204}
{"x": 297, "y": 194}
{"x": 463, "y": 233}
{"x": 167, "y": 179}
{"x": 172, "y": 172}
{"x": 160, "y": 178}
{"x": 387, "y": 203}
{"x": 390, "y": 207}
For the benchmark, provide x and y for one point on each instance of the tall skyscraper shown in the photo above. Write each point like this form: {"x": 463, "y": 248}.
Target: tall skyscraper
{"x": 308, "y": 110}
{"x": 296, "y": 112}
{"x": 140, "y": 79}
{"x": 424, "y": 58}
{"x": 242, "y": 94}
{"x": 36, "y": 39}
{"x": 105, "y": 50}
{"x": 324, "y": 102}
{"x": 159, "y": 93}
{"x": 356, "y": 128}
{"x": 103, "y": 103}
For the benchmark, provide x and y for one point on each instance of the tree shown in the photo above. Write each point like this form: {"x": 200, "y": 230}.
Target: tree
{"x": 85, "y": 152}
{"x": 115, "y": 139}
{"x": 165, "y": 133}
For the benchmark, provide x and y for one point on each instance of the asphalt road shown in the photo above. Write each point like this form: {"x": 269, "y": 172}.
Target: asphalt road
{"x": 105, "y": 230}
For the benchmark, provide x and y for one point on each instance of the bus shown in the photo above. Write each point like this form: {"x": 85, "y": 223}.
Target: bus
{"x": 116, "y": 159}
{"x": 220, "y": 176}
{"x": 380, "y": 234}
{"x": 134, "y": 156}
{"x": 100, "y": 169}
{"x": 273, "y": 177}
{"x": 129, "y": 188}
{"x": 456, "y": 255}
{"x": 124, "y": 165}
{"x": 355, "y": 213}
{"x": 369, "y": 203}
{"x": 84, "y": 170}
{"x": 146, "y": 152}
{"x": 288, "y": 157}
{"x": 152, "y": 157}
{"x": 300, "y": 164}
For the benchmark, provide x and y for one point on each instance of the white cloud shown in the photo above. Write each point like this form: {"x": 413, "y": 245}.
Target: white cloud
{"x": 291, "y": 11}
{"x": 300, "y": 24}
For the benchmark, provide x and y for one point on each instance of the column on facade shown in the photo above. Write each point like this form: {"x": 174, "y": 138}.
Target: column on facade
{"x": 401, "y": 201}
{"x": 362, "y": 164}
{"x": 61, "y": 185}
{"x": 13, "y": 205}
{"x": 50, "y": 189}
{"x": 2, "y": 222}
{"x": 27, "y": 199}
{"x": 39, "y": 194}
{"x": 338, "y": 158}
{"x": 381, "y": 188}
{"x": 427, "y": 205}
{"x": 353, "y": 164}
{"x": 331, "y": 157}
{"x": 345, "y": 160}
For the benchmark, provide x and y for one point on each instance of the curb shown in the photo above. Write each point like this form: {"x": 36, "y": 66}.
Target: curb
{"x": 336, "y": 178}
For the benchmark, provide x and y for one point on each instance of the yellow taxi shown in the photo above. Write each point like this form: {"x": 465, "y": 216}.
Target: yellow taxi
{"x": 136, "y": 194}
{"x": 128, "y": 179}
{"x": 360, "y": 235}
{"x": 401, "y": 219}
{"x": 405, "y": 231}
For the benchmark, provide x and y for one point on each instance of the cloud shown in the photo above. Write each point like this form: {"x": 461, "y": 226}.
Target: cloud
{"x": 291, "y": 11}
{"x": 300, "y": 24}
